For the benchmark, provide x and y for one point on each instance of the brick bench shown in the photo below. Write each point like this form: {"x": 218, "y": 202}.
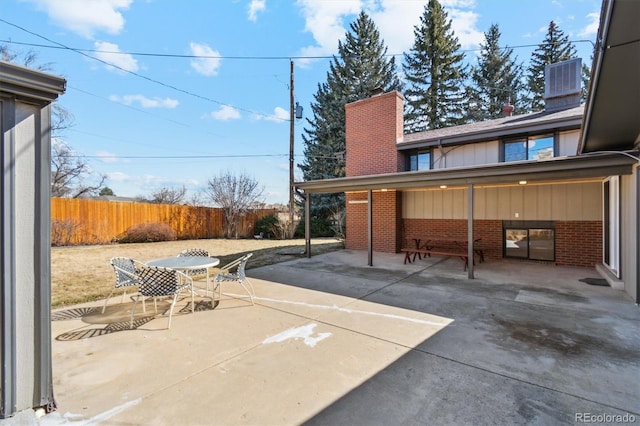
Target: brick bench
{"x": 437, "y": 251}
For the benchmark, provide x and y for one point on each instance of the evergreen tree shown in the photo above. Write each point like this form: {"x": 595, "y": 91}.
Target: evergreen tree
{"x": 556, "y": 47}
{"x": 495, "y": 80}
{"x": 360, "y": 67}
{"x": 435, "y": 72}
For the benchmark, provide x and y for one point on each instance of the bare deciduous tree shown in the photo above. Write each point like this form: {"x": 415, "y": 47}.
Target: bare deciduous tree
{"x": 235, "y": 195}
{"x": 69, "y": 172}
{"x": 168, "y": 195}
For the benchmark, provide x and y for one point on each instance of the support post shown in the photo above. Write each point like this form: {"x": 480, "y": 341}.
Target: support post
{"x": 470, "y": 252}
{"x": 370, "y": 227}
{"x": 291, "y": 143}
{"x": 307, "y": 224}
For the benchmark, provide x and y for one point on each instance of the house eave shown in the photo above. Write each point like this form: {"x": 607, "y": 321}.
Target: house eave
{"x": 30, "y": 84}
{"x": 557, "y": 169}
{"x": 510, "y": 131}
{"x": 612, "y": 112}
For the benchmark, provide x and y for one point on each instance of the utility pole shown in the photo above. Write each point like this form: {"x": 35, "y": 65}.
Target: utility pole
{"x": 291, "y": 139}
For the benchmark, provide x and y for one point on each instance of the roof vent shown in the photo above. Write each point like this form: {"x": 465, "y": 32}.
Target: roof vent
{"x": 562, "y": 84}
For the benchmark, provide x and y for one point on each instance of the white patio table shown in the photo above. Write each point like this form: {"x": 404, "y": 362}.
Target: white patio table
{"x": 187, "y": 263}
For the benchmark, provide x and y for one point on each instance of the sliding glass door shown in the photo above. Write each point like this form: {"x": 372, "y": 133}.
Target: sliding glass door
{"x": 529, "y": 240}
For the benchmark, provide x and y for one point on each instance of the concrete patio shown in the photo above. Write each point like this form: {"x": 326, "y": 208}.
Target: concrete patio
{"x": 333, "y": 341}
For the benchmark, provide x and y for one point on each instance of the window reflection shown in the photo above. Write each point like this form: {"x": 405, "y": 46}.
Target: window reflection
{"x": 532, "y": 148}
{"x": 420, "y": 161}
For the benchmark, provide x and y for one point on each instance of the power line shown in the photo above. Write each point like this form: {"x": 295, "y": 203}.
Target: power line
{"x": 267, "y": 58}
{"x": 174, "y": 157}
{"x": 62, "y": 46}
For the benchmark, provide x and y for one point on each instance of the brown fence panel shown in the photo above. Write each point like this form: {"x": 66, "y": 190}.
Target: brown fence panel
{"x": 83, "y": 221}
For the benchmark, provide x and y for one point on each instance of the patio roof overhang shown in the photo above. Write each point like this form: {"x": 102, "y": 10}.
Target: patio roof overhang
{"x": 612, "y": 113}
{"x": 556, "y": 169}
{"x": 30, "y": 85}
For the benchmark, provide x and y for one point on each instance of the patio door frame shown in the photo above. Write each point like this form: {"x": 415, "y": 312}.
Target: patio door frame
{"x": 611, "y": 224}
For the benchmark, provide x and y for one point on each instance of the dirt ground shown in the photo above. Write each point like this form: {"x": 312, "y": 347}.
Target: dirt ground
{"x": 81, "y": 274}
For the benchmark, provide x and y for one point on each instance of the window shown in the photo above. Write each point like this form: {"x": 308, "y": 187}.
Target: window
{"x": 529, "y": 240}
{"x": 529, "y": 148}
{"x": 420, "y": 160}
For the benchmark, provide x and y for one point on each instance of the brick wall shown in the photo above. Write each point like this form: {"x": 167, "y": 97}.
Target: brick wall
{"x": 489, "y": 230}
{"x": 373, "y": 127}
{"x": 386, "y": 218}
{"x": 578, "y": 243}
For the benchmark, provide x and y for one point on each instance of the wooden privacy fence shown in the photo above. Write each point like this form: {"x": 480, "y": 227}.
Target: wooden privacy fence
{"x": 83, "y": 221}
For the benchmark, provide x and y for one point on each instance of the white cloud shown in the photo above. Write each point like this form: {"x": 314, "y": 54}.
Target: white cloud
{"x": 254, "y": 7}
{"x": 107, "y": 157}
{"x": 328, "y": 22}
{"x": 118, "y": 177}
{"x": 324, "y": 20}
{"x": 206, "y": 66}
{"x": 86, "y": 17}
{"x": 279, "y": 115}
{"x": 463, "y": 24}
{"x": 225, "y": 113}
{"x": 145, "y": 102}
{"x": 592, "y": 27}
{"x": 108, "y": 52}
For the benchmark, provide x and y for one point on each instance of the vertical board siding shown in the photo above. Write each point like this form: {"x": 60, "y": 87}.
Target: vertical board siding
{"x": 83, "y": 221}
{"x": 566, "y": 201}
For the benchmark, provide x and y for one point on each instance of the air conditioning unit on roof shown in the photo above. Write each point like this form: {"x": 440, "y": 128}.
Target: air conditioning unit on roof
{"x": 562, "y": 80}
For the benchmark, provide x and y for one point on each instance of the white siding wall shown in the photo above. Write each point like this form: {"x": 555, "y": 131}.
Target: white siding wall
{"x": 630, "y": 232}
{"x": 576, "y": 201}
{"x": 466, "y": 155}
{"x": 568, "y": 143}
{"x": 489, "y": 152}
{"x": 25, "y": 164}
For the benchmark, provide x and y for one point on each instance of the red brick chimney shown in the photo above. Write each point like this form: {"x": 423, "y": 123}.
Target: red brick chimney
{"x": 373, "y": 127}
{"x": 507, "y": 109}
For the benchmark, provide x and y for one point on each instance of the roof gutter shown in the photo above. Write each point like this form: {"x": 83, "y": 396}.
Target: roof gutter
{"x": 28, "y": 84}
{"x": 605, "y": 21}
{"x": 562, "y": 168}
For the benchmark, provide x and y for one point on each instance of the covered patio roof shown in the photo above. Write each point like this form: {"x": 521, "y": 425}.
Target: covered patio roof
{"x": 553, "y": 170}
{"x": 556, "y": 169}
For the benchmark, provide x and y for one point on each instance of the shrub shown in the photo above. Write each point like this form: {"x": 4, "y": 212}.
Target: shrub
{"x": 319, "y": 228}
{"x": 62, "y": 232}
{"x": 266, "y": 225}
{"x": 148, "y": 233}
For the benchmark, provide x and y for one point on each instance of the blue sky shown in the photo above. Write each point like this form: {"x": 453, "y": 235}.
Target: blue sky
{"x": 203, "y": 117}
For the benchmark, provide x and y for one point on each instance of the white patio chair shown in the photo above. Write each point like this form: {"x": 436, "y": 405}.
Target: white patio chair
{"x": 162, "y": 282}
{"x": 194, "y": 252}
{"x": 126, "y": 276}
{"x": 234, "y": 271}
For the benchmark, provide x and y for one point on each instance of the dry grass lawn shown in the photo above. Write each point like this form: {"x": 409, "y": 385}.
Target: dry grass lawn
{"x": 82, "y": 274}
